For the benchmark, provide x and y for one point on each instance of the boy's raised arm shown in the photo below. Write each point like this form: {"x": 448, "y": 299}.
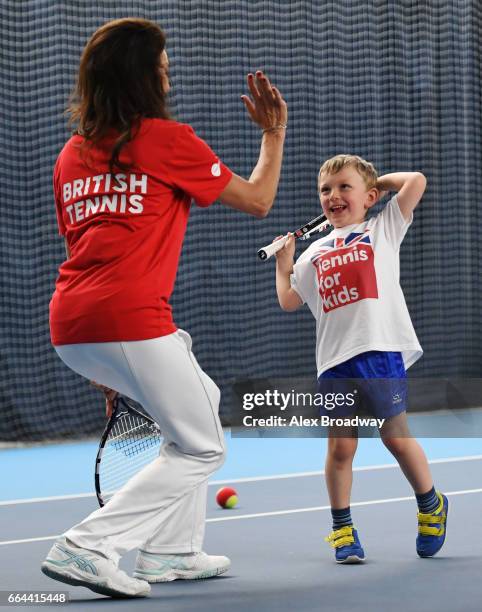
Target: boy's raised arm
{"x": 410, "y": 187}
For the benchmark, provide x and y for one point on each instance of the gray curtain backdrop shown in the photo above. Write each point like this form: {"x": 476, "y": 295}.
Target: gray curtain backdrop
{"x": 397, "y": 82}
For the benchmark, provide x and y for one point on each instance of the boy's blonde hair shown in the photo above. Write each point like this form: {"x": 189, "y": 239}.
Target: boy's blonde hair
{"x": 364, "y": 168}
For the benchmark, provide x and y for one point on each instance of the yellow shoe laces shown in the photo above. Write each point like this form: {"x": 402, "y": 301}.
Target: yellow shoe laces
{"x": 341, "y": 537}
{"x": 427, "y": 523}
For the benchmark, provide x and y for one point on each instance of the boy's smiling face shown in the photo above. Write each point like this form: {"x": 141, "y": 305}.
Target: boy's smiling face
{"x": 345, "y": 197}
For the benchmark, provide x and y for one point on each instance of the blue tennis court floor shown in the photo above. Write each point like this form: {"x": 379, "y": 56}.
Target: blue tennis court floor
{"x": 275, "y": 535}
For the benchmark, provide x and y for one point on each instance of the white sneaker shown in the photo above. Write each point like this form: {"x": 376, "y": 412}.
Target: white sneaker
{"x": 81, "y": 567}
{"x": 155, "y": 567}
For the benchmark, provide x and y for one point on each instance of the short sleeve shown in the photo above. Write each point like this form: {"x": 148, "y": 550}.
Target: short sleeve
{"x": 394, "y": 223}
{"x": 58, "y": 201}
{"x": 195, "y": 169}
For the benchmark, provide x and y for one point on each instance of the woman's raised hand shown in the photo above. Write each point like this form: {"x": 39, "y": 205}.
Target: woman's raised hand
{"x": 266, "y": 106}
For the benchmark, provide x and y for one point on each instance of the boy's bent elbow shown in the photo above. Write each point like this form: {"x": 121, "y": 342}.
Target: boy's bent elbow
{"x": 420, "y": 184}
{"x": 289, "y": 307}
{"x": 420, "y": 178}
{"x": 290, "y": 302}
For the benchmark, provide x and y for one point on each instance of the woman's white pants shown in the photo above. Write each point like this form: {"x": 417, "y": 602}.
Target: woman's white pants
{"x": 162, "y": 508}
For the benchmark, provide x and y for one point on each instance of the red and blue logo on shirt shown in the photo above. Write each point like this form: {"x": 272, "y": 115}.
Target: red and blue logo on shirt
{"x": 345, "y": 269}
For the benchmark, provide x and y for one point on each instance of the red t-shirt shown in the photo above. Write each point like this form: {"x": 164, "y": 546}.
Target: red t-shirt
{"x": 125, "y": 237}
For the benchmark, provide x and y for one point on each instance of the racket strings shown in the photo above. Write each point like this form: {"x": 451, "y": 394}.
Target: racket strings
{"x": 132, "y": 444}
{"x": 133, "y": 435}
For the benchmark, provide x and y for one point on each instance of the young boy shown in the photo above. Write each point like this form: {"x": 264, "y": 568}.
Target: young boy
{"x": 350, "y": 281}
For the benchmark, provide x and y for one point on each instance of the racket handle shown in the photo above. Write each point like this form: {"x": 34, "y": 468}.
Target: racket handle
{"x": 270, "y": 249}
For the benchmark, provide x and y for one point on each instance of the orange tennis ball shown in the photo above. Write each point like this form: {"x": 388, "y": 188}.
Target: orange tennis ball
{"x": 227, "y": 497}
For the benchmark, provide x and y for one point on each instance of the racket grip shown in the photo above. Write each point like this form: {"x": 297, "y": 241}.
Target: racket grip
{"x": 266, "y": 252}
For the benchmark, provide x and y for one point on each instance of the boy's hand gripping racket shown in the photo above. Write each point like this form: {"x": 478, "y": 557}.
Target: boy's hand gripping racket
{"x": 130, "y": 441}
{"x": 316, "y": 225}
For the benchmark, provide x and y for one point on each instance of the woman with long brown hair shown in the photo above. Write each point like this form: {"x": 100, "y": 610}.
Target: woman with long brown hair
{"x": 123, "y": 187}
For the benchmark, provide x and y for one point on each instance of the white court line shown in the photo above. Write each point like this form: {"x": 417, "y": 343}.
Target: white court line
{"x": 371, "y": 502}
{"x": 239, "y": 517}
{"x": 363, "y": 468}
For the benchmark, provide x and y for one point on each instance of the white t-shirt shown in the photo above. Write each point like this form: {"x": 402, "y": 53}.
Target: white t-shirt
{"x": 350, "y": 280}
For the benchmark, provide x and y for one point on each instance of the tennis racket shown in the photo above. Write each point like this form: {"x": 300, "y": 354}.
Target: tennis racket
{"x": 130, "y": 441}
{"x": 316, "y": 225}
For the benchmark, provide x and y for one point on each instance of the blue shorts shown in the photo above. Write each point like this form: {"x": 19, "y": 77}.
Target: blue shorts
{"x": 374, "y": 382}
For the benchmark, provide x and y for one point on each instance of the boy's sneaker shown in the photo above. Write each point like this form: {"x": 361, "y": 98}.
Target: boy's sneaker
{"x": 432, "y": 529}
{"x": 81, "y": 567}
{"x": 155, "y": 567}
{"x": 347, "y": 545}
